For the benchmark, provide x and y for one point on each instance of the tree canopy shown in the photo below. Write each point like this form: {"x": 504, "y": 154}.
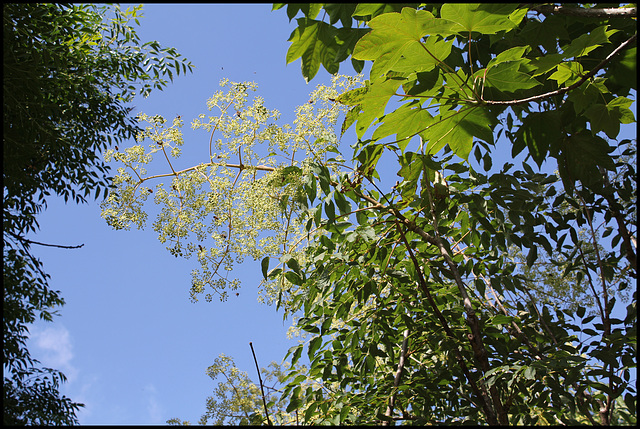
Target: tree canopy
{"x": 70, "y": 73}
{"x": 414, "y": 300}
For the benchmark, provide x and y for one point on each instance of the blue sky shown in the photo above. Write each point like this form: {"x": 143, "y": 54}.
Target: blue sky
{"x": 134, "y": 347}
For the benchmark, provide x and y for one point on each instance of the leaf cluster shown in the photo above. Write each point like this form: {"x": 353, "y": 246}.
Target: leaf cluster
{"x": 417, "y": 302}
{"x": 70, "y": 73}
{"x": 418, "y": 307}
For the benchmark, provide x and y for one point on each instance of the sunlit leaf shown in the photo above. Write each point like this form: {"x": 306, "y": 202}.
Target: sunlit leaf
{"x": 397, "y": 36}
{"x": 457, "y": 130}
{"x": 406, "y": 121}
{"x": 481, "y": 18}
{"x": 507, "y": 77}
{"x": 588, "y": 42}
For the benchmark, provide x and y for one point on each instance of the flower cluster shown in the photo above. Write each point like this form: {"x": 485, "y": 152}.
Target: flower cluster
{"x": 244, "y": 199}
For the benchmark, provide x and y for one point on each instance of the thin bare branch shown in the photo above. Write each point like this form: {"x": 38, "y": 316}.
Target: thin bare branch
{"x": 264, "y": 399}
{"x": 27, "y": 241}
{"x": 593, "y": 12}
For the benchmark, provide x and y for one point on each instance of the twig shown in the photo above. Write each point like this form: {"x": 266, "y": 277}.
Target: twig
{"x": 561, "y": 91}
{"x": 25, "y": 240}
{"x": 605, "y": 294}
{"x": 264, "y": 400}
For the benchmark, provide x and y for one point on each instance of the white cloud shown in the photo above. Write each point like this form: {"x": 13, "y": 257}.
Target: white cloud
{"x": 54, "y": 349}
{"x": 153, "y": 406}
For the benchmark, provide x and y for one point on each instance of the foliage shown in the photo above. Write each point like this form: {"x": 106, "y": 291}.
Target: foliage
{"x": 415, "y": 310}
{"x": 31, "y": 395}
{"x": 413, "y": 302}
{"x": 238, "y": 401}
{"x": 69, "y": 74}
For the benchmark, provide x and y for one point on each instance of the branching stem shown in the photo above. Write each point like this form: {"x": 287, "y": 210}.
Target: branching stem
{"x": 561, "y": 91}
{"x": 396, "y": 380}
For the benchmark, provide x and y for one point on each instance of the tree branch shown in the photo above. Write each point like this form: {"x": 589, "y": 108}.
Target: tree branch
{"x": 27, "y": 241}
{"x": 396, "y": 381}
{"x": 561, "y": 91}
{"x": 586, "y": 12}
{"x": 479, "y": 391}
{"x": 475, "y": 337}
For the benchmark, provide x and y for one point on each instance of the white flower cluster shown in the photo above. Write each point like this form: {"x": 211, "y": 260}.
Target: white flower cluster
{"x": 238, "y": 202}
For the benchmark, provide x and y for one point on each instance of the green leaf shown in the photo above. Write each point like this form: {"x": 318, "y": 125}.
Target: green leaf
{"x": 293, "y": 264}
{"x": 530, "y": 373}
{"x": 622, "y": 105}
{"x": 343, "y": 205}
{"x": 580, "y": 157}
{"x": 608, "y": 117}
{"x": 310, "y": 10}
{"x": 586, "y": 95}
{"x": 374, "y": 102}
{"x": 480, "y": 286}
{"x": 314, "y": 344}
{"x": 352, "y": 97}
{"x": 539, "y": 132}
{"x": 311, "y": 188}
{"x": 314, "y": 42}
{"x": 457, "y": 129}
{"x": 294, "y": 278}
{"x": 541, "y": 65}
{"x": 324, "y": 176}
{"x": 295, "y": 403}
{"x": 296, "y": 354}
{"x": 368, "y": 158}
{"x": 416, "y": 58}
{"x": 586, "y": 43}
{"x": 513, "y": 54}
{"x": 532, "y": 256}
{"x": 623, "y": 71}
{"x": 265, "y": 267}
{"x": 506, "y": 77}
{"x": 411, "y": 166}
{"x": 586, "y": 150}
{"x": 568, "y": 73}
{"x": 501, "y": 319}
{"x": 330, "y": 210}
{"x": 340, "y": 12}
{"x": 482, "y": 18}
{"x": 368, "y": 9}
{"x": 344, "y": 413}
{"x": 351, "y": 116}
{"x": 397, "y": 36}
{"x": 406, "y": 121}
